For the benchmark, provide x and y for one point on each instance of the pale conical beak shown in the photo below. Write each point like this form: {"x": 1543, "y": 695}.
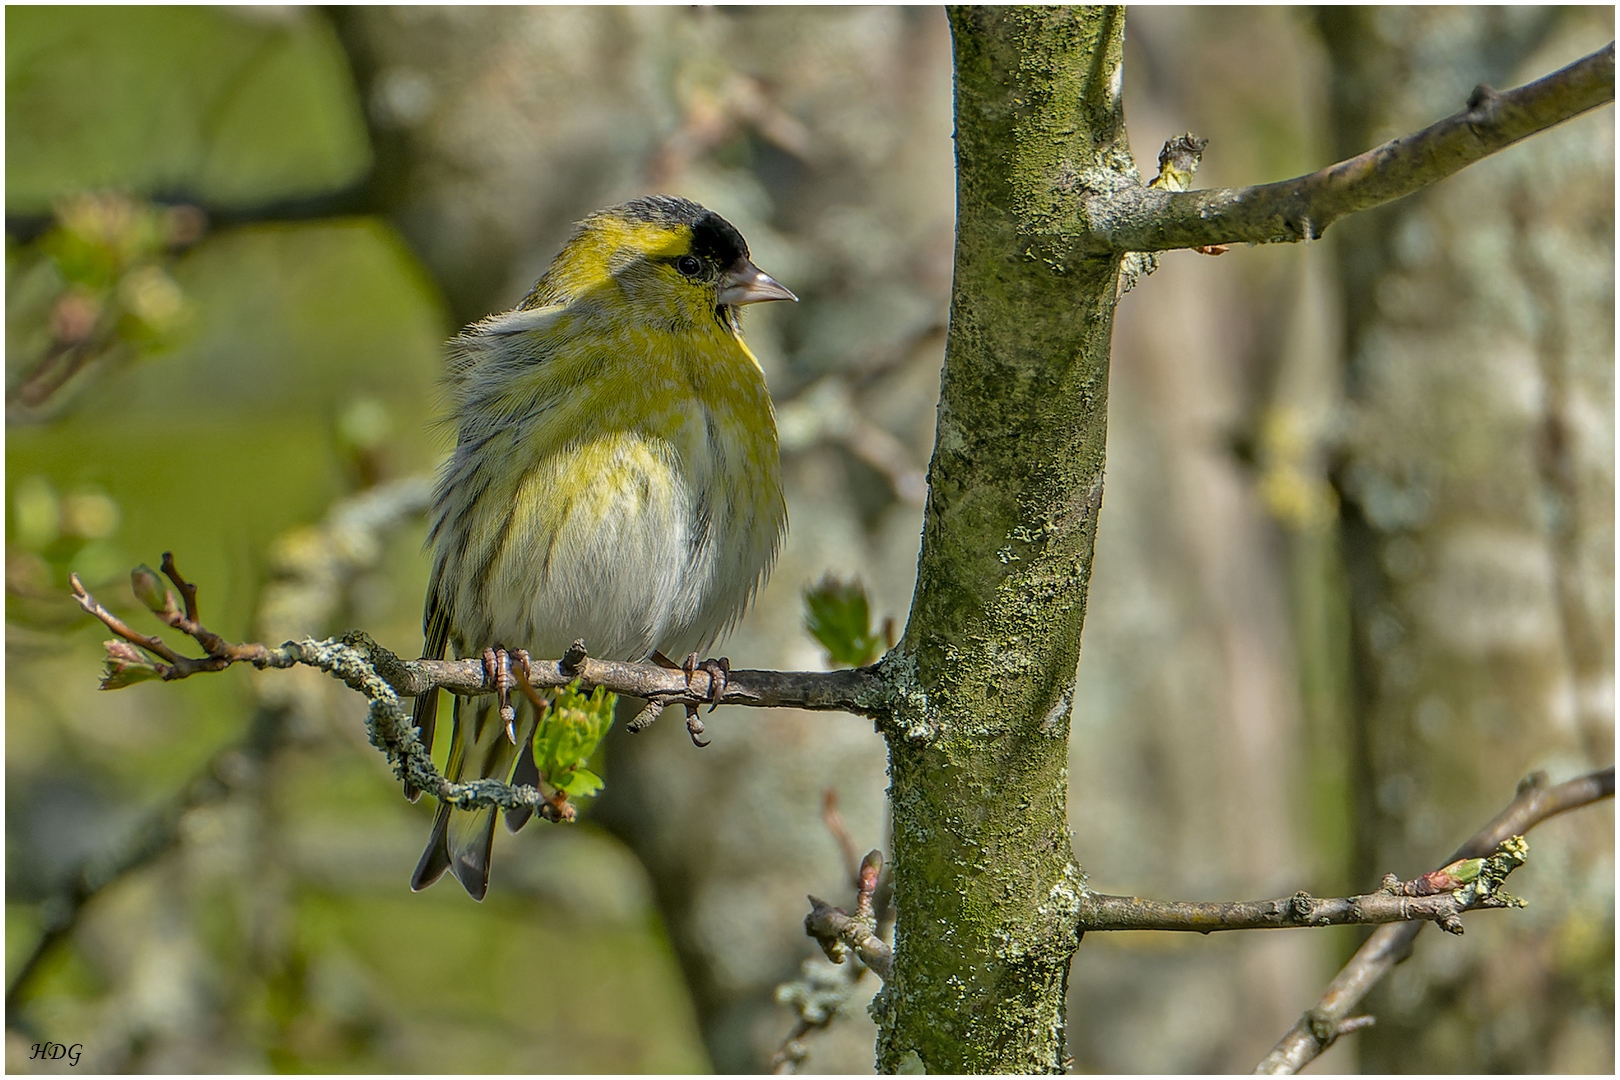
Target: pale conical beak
{"x": 745, "y": 283}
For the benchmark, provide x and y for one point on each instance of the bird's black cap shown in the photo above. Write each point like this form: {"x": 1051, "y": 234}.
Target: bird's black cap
{"x": 714, "y": 239}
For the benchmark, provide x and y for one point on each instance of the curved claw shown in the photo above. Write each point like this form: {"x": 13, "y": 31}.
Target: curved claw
{"x": 719, "y": 675}
{"x": 694, "y": 727}
{"x": 719, "y": 672}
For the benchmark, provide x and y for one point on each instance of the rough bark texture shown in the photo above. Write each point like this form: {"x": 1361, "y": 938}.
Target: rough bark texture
{"x": 1477, "y": 487}
{"x": 985, "y": 879}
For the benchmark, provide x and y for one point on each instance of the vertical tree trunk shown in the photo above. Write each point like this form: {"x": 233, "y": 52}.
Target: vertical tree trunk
{"x": 985, "y": 878}
{"x": 1477, "y": 488}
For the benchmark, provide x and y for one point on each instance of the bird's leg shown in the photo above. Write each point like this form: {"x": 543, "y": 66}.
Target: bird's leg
{"x": 718, "y": 672}
{"x": 498, "y": 670}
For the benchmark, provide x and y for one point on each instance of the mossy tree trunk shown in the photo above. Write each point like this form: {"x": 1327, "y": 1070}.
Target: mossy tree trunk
{"x": 985, "y": 878}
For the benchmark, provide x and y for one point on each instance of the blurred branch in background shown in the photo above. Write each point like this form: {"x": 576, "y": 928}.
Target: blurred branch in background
{"x": 102, "y": 276}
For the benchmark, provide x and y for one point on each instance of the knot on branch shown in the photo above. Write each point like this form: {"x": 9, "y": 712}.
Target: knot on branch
{"x": 1482, "y": 95}
{"x": 573, "y": 661}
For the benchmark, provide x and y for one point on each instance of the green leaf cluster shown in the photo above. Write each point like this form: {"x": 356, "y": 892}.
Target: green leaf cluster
{"x": 837, "y": 614}
{"x": 569, "y": 735}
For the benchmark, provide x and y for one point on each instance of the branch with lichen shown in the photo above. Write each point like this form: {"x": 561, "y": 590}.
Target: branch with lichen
{"x": 1324, "y": 1022}
{"x": 1157, "y": 217}
{"x": 858, "y": 690}
{"x": 384, "y": 678}
{"x": 1440, "y": 896}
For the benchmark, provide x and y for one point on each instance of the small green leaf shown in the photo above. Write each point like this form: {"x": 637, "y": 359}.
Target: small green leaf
{"x": 570, "y": 733}
{"x": 579, "y": 782}
{"x": 837, "y": 614}
{"x": 119, "y": 675}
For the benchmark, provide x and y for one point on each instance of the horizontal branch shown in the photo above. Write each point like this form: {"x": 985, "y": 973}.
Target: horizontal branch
{"x": 384, "y": 678}
{"x": 1439, "y": 897}
{"x": 1325, "y": 1021}
{"x": 1135, "y": 218}
{"x": 856, "y": 690}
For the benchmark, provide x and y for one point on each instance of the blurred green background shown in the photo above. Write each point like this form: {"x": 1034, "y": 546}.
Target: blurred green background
{"x": 236, "y": 239}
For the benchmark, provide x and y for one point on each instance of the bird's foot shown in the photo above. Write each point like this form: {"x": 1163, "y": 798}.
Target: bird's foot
{"x": 719, "y": 672}
{"x": 498, "y": 670}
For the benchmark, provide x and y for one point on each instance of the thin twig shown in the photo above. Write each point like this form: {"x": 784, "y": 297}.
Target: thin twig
{"x": 820, "y": 993}
{"x": 1139, "y": 218}
{"x": 840, "y": 833}
{"x": 1440, "y": 897}
{"x": 308, "y": 589}
{"x": 838, "y": 931}
{"x": 1330, "y": 1017}
{"x": 221, "y": 654}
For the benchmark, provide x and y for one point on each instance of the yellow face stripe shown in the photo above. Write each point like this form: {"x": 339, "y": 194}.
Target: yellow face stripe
{"x": 587, "y": 263}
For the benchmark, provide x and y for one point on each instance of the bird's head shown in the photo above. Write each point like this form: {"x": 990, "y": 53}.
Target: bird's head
{"x": 673, "y": 262}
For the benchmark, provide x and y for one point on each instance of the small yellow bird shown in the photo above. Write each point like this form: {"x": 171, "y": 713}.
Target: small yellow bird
{"x": 615, "y": 479}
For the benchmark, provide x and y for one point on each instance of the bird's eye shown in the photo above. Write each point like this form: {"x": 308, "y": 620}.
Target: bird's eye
{"x": 690, "y": 265}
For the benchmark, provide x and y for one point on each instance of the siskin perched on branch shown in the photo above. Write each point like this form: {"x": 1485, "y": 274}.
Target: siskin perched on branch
{"x": 615, "y": 479}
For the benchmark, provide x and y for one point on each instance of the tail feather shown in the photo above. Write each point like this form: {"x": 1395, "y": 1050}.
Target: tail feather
{"x": 471, "y": 840}
{"x": 436, "y": 859}
{"x": 435, "y": 639}
{"x": 462, "y": 840}
{"x": 527, "y": 772}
